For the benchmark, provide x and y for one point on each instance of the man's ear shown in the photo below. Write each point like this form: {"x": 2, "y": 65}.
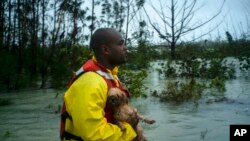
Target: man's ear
{"x": 105, "y": 49}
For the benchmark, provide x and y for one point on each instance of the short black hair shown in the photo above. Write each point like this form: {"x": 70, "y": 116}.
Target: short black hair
{"x": 100, "y": 37}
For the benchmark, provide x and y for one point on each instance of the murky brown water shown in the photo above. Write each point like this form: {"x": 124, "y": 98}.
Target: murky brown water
{"x": 33, "y": 117}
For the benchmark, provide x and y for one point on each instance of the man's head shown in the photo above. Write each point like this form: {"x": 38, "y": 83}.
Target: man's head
{"x": 108, "y": 46}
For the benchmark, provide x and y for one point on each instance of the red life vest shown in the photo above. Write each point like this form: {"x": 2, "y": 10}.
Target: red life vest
{"x": 93, "y": 66}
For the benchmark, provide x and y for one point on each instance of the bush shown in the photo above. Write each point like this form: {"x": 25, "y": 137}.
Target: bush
{"x": 218, "y": 83}
{"x": 134, "y": 81}
{"x": 180, "y": 92}
{"x": 194, "y": 68}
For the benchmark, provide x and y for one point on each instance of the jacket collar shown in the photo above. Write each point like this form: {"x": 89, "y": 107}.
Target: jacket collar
{"x": 113, "y": 72}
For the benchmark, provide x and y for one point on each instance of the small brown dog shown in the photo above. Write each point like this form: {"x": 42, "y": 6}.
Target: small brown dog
{"x": 118, "y": 101}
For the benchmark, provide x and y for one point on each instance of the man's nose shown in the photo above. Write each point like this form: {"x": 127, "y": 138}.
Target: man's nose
{"x": 125, "y": 48}
{"x": 127, "y": 51}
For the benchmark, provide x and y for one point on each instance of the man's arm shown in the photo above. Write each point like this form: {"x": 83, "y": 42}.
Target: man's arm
{"x": 86, "y": 100}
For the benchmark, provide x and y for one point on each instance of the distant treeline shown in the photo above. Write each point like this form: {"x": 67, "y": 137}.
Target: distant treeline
{"x": 43, "y": 40}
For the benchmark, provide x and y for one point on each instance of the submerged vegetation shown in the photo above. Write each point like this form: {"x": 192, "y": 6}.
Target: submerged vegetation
{"x": 5, "y": 101}
{"x": 182, "y": 91}
{"x": 190, "y": 90}
{"x": 7, "y": 134}
{"x": 204, "y": 71}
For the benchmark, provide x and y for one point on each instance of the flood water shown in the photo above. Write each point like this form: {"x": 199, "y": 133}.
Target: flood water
{"x": 33, "y": 115}
{"x": 195, "y": 122}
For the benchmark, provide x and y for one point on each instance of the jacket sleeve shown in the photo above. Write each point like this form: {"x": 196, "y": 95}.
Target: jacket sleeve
{"x": 86, "y": 100}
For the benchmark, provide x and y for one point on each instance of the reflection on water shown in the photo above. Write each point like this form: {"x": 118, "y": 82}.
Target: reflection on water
{"x": 33, "y": 115}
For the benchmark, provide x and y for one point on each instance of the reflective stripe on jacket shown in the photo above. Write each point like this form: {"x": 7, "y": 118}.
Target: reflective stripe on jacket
{"x": 85, "y": 101}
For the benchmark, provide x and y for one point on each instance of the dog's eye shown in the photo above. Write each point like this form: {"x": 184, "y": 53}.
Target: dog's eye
{"x": 113, "y": 100}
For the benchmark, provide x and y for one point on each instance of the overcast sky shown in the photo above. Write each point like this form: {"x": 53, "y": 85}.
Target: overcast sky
{"x": 233, "y": 15}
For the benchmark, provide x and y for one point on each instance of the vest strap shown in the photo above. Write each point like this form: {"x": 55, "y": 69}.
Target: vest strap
{"x": 80, "y": 71}
{"x": 69, "y": 136}
{"x": 65, "y": 115}
{"x": 105, "y": 75}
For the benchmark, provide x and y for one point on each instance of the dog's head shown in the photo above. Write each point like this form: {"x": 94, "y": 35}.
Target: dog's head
{"x": 116, "y": 97}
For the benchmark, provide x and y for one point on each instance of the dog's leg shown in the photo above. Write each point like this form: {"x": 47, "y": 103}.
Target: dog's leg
{"x": 139, "y": 132}
{"x": 119, "y": 123}
{"x": 149, "y": 121}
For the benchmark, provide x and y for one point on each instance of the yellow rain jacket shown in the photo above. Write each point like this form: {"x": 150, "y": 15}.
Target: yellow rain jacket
{"x": 85, "y": 101}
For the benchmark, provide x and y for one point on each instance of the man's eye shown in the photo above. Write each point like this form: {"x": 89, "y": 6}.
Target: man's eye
{"x": 121, "y": 42}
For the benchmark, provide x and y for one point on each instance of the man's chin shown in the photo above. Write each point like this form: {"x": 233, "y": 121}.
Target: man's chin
{"x": 125, "y": 60}
{"x": 126, "y": 57}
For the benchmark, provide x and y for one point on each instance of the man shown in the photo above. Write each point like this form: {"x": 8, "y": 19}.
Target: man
{"x": 84, "y": 113}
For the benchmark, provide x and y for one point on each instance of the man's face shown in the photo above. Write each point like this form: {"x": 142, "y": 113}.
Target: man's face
{"x": 117, "y": 49}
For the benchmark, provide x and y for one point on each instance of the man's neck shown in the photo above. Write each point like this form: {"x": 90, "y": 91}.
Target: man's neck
{"x": 104, "y": 63}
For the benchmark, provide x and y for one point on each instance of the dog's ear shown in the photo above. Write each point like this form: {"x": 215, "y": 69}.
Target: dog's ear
{"x": 125, "y": 99}
{"x": 114, "y": 91}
